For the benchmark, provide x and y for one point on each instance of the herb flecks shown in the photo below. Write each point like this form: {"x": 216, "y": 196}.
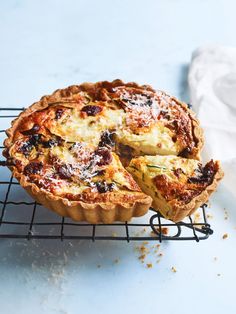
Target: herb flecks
{"x": 116, "y": 182}
{"x": 134, "y": 168}
{"x": 157, "y": 167}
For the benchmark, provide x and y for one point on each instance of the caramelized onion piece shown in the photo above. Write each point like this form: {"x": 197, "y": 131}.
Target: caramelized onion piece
{"x": 105, "y": 156}
{"x": 103, "y": 186}
{"x": 91, "y": 110}
{"x": 33, "y": 168}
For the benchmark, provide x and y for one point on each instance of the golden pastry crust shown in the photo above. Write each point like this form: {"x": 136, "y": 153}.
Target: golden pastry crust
{"x": 95, "y": 207}
{"x": 177, "y": 185}
{"x": 180, "y": 212}
{"x": 97, "y": 212}
{"x": 119, "y": 105}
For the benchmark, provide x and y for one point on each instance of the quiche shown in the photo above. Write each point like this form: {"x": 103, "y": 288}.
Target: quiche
{"x": 70, "y": 149}
{"x": 178, "y": 186}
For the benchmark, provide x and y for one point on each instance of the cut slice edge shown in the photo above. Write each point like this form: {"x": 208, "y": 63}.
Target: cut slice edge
{"x": 173, "y": 209}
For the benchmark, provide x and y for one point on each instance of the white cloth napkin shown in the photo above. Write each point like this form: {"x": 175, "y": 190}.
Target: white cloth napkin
{"x": 212, "y": 82}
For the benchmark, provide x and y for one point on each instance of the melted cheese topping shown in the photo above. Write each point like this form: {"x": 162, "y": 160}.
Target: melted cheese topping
{"x": 64, "y": 155}
{"x": 157, "y": 141}
{"x": 141, "y": 124}
{"x": 79, "y": 129}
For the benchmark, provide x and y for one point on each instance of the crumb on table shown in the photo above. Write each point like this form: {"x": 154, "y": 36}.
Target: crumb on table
{"x": 142, "y": 257}
{"x": 143, "y": 249}
{"x": 146, "y": 250}
{"x": 173, "y": 269}
{"x": 225, "y": 236}
{"x": 209, "y": 216}
{"x": 116, "y": 261}
{"x": 226, "y": 215}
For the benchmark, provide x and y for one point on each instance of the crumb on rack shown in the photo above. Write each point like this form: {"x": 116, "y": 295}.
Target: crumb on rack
{"x": 164, "y": 231}
{"x": 114, "y": 234}
{"x": 149, "y": 265}
{"x": 173, "y": 269}
{"x": 225, "y": 236}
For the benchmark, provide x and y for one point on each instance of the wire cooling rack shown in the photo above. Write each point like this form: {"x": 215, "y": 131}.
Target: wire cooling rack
{"x": 39, "y": 223}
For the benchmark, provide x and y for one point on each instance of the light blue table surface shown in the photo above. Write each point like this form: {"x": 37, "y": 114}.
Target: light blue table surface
{"x": 45, "y": 45}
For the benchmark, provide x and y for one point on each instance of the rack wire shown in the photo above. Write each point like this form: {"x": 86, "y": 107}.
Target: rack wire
{"x": 152, "y": 227}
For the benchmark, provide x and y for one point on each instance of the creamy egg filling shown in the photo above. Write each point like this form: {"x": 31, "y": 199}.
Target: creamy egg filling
{"x": 79, "y": 129}
{"x": 157, "y": 141}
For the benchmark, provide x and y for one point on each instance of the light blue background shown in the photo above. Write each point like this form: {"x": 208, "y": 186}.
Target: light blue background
{"x": 45, "y": 45}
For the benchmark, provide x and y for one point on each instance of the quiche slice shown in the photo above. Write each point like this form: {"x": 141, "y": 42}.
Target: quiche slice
{"x": 178, "y": 186}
